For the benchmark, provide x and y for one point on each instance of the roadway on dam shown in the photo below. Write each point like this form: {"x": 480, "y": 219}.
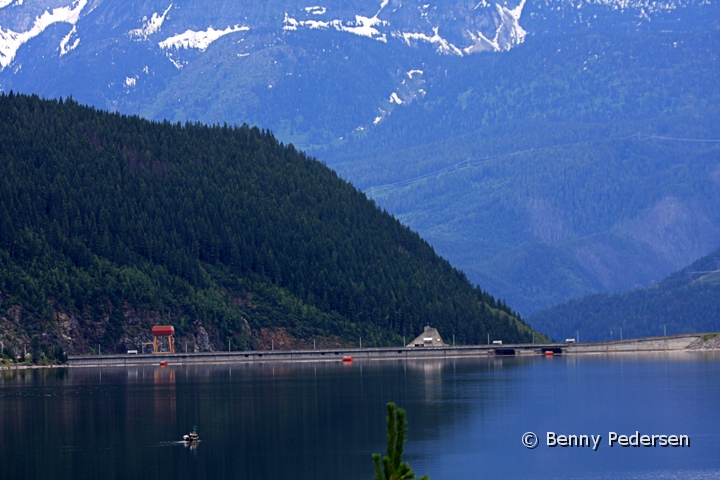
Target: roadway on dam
{"x": 650, "y": 344}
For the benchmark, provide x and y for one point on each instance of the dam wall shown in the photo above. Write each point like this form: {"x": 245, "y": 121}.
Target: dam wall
{"x": 651, "y": 344}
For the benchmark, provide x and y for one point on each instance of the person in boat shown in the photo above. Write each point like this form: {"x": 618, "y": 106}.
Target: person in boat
{"x": 192, "y": 436}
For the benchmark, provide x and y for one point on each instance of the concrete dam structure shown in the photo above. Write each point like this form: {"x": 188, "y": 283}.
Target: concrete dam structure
{"x": 651, "y": 344}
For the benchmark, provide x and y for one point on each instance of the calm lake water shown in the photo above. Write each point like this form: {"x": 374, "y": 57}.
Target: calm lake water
{"x": 324, "y": 420}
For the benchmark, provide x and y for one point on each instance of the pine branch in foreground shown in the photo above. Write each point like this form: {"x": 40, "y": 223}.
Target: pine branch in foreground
{"x": 393, "y": 468}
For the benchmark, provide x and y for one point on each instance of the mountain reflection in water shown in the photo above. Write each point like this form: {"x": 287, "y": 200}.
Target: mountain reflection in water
{"x": 324, "y": 420}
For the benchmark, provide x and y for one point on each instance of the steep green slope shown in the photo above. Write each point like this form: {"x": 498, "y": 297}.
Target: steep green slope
{"x": 685, "y": 302}
{"x": 109, "y": 224}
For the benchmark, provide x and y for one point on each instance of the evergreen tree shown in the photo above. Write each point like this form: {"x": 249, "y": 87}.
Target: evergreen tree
{"x": 391, "y": 466}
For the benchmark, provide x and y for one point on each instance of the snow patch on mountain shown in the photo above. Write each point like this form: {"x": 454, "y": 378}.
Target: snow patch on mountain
{"x": 177, "y": 64}
{"x": 151, "y": 25}
{"x": 5, "y": 3}
{"x": 200, "y": 40}
{"x": 362, "y": 26}
{"x": 503, "y": 17}
{"x": 443, "y": 46}
{"x": 365, "y": 27}
{"x": 407, "y": 91}
{"x": 289, "y": 23}
{"x": 649, "y": 6}
{"x": 481, "y": 43}
{"x": 508, "y": 34}
{"x": 65, "y": 45}
{"x": 316, "y": 10}
{"x": 10, "y": 41}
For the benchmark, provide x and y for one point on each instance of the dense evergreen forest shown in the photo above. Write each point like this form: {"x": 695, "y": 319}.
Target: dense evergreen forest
{"x": 109, "y": 224}
{"x": 685, "y": 302}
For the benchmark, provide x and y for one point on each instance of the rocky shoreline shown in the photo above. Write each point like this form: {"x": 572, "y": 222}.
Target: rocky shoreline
{"x": 707, "y": 342}
{"x": 28, "y": 367}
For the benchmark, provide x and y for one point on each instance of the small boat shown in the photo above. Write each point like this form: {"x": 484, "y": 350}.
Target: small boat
{"x": 192, "y": 437}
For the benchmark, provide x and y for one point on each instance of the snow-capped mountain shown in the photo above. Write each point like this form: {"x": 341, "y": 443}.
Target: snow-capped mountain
{"x": 466, "y": 28}
{"x": 389, "y": 91}
{"x": 133, "y": 55}
{"x": 124, "y": 55}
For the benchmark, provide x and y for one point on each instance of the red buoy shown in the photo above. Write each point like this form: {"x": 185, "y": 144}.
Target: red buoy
{"x": 347, "y": 359}
{"x": 549, "y": 353}
{"x": 164, "y": 363}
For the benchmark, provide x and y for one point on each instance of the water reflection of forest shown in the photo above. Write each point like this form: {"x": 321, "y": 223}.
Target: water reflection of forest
{"x": 248, "y": 412}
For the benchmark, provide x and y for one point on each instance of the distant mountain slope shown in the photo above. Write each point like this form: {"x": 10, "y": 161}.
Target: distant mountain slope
{"x": 109, "y": 224}
{"x": 685, "y": 302}
{"x": 547, "y": 211}
{"x": 595, "y": 169}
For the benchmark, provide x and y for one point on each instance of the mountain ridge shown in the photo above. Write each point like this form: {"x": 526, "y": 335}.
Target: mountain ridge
{"x": 684, "y": 302}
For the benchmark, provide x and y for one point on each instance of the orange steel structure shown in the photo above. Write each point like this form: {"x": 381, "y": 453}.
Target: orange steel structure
{"x": 162, "y": 331}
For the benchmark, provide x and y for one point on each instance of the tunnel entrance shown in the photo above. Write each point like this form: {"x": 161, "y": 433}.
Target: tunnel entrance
{"x": 504, "y": 352}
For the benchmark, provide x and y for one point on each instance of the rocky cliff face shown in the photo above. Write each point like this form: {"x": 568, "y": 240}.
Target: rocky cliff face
{"x": 81, "y": 333}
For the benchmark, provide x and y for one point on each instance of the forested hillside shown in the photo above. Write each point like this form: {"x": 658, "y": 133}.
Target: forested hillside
{"x": 109, "y": 224}
{"x": 685, "y": 302}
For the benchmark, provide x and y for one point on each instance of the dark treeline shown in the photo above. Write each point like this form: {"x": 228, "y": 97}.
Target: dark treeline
{"x": 100, "y": 213}
{"x": 685, "y": 302}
